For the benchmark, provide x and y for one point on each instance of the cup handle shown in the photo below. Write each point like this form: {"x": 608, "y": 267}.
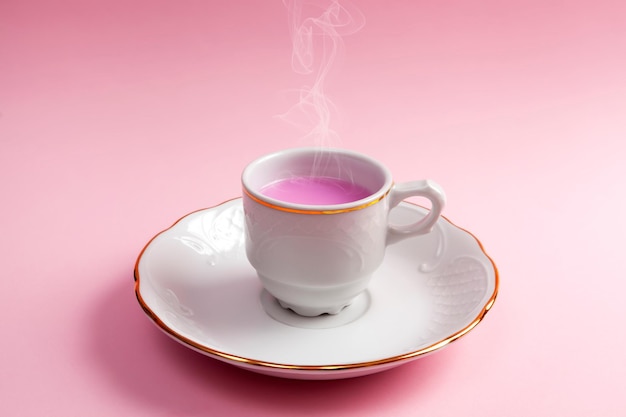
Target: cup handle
{"x": 424, "y": 188}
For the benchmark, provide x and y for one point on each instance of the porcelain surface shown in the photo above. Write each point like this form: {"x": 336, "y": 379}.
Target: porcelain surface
{"x": 195, "y": 283}
{"x": 316, "y": 259}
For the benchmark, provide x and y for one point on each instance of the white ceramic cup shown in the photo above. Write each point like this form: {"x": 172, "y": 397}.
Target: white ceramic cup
{"x": 316, "y": 259}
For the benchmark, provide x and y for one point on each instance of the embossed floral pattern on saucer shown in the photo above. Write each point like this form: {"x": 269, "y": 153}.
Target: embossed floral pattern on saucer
{"x": 195, "y": 283}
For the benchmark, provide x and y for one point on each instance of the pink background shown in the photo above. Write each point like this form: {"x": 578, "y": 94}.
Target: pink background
{"x": 119, "y": 117}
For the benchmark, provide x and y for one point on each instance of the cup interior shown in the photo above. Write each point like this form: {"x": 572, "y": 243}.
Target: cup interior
{"x": 311, "y": 162}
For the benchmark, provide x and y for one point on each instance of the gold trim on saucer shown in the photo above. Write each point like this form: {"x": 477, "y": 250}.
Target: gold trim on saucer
{"x": 311, "y": 211}
{"x": 330, "y": 367}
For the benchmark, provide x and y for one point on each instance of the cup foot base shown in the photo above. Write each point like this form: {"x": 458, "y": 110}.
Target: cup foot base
{"x": 357, "y": 308}
{"x": 312, "y": 311}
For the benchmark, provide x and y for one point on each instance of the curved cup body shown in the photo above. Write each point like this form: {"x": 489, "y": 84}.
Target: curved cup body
{"x": 315, "y": 263}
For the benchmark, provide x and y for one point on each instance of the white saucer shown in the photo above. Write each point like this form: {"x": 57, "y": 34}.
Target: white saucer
{"x": 194, "y": 281}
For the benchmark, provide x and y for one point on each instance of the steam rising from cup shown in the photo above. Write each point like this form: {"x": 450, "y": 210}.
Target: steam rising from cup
{"x": 317, "y": 29}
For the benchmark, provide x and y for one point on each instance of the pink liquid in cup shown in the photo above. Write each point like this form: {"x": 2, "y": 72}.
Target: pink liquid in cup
{"x": 315, "y": 190}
